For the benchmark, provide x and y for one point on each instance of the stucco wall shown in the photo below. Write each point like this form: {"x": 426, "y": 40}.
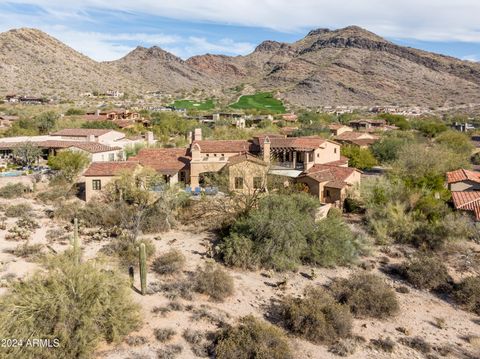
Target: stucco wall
{"x": 330, "y": 153}
{"x": 89, "y": 191}
{"x": 248, "y": 171}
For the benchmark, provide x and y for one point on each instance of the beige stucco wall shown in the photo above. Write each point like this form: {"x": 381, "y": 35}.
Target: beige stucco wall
{"x": 248, "y": 171}
{"x": 101, "y": 156}
{"x": 464, "y": 186}
{"x": 329, "y": 153}
{"x": 89, "y": 191}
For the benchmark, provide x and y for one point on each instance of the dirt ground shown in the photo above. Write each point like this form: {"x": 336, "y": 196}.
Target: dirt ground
{"x": 254, "y": 291}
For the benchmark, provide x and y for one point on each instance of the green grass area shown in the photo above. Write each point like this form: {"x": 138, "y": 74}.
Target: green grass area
{"x": 195, "y": 105}
{"x": 263, "y": 101}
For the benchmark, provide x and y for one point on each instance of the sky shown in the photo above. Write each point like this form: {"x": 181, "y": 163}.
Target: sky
{"x": 109, "y": 29}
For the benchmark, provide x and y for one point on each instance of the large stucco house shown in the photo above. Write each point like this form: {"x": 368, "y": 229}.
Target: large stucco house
{"x": 314, "y": 161}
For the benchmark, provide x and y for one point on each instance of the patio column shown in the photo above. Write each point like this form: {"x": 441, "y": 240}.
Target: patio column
{"x": 294, "y": 159}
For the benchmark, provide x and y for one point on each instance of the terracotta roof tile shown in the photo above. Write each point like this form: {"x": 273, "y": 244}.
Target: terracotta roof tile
{"x": 463, "y": 175}
{"x": 81, "y": 132}
{"x": 245, "y": 157}
{"x": 101, "y": 169}
{"x": 468, "y": 200}
{"x": 167, "y": 161}
{"x": 354, "y": 135}
{"x": 328, "y": 173}
{"x": 224, "y": 146}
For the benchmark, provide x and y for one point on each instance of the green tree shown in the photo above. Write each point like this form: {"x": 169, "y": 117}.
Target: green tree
{"x": 429, "y": 128}
{"x": 69, "y": 163}
{"x": 74, "y": 112}
{"x": 26, "y": 153}
{"x": 387, "y": 149}
{"x": 455, "y": 141}
{"x": 361, "y": 158}
{"x": 46, "y": 122}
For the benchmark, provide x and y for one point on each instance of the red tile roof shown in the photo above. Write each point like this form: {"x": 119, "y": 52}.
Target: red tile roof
{"x": 468, "y": 201}
{"x": 361, "y": 142}
{"x": 95, "y": 117}
{"x": 75, "y": 132}
{"x": 245, "y": 157}
{"x": 343, "y": 161}
{"x": 328, "y": 173}
{"x": 92, "y": 147}
{"x": 463, "y": 175}
{"x": 167, "y": 161}
{"x": 353, "y": 135}
{"x": 103, "y": 169}
{"x": 224, "y": 146}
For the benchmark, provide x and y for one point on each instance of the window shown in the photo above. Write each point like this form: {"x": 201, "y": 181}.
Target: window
{"x": 111, "y": 157}
{"x": 335, "y": 150}
{"x": 327, "y": 193}
{"x": 257, "y": 182}
{"x": 318, "y": 155}
{"x": 96, "y": 185}
{"x": 182, "y": 176}
{"x": 238, "y": 182}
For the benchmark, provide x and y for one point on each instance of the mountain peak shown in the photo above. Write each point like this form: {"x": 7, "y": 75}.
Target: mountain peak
{"x": 154, "y": 52}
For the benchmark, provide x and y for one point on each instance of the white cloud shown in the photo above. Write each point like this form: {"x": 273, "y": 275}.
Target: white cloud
{"x": 473, "y": 58}
{"x": 444, "y": 20}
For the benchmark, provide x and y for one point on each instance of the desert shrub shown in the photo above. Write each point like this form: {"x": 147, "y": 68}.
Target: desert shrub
{"x": 57, "y": 234}
{"x": 80, "y": 305}
{"x": 136, "y": 340}
{"x": 344, "y": 347}
{"x": 177, "y": 289}
{"x": 27, "y": 223}
{"x": 252, "y": 338}
{"x": 385, "y": 344}
{"x": 170, "y": 262}
{"x": 467, "y": 294}
{"x": 125, "y": 248}
{"x": 193, "y": 336}
{"x": 164, "y": 334}
{"x": 332, "y": 243}
{"x": 14, "y": 190}
{"x": 425, "y": 272}
{"x": 213, "y": 281}
{"x": 281, "y": 234}
{"x": 27, "y": 250}
{"x": 17, "y": 234}
{"x": 417, "y": 343}
{"x": 367, "y": 295}
{"x": 18, "y": 210}
{"x": 316, "y": 317}
{"x": 205, "y": 313}
{"x": 169, "y": 352}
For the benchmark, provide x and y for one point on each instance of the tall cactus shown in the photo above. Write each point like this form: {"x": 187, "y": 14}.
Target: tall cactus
{"x": 76, "y": 242}
{"x": 142, "y": 257}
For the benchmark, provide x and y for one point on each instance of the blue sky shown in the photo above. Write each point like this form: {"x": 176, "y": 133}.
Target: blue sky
{"x": 107, "y": 30}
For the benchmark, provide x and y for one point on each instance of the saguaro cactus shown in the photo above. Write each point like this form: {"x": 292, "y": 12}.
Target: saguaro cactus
{"x": 143, "y": 268}
{"x": 76, "y": 242}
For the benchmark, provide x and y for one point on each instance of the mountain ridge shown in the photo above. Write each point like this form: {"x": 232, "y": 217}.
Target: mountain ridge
{"x": 349, "y": 66}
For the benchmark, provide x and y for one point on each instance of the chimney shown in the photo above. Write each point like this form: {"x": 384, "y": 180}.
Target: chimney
{"x": 190, "y": 137}
{"x": 216, "y": 117}
{"x": 197, "y": 135}
{"x": 266, "y": 150}
{"x": 149, "y": 137}
{"x": 97, "y": 112}
{"x": 91, "y": 138}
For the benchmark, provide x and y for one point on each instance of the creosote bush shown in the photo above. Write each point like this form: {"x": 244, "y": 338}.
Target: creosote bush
{"x": 126, "y": 249}
{"x": 18, "y": 210}
{"x": 170, "y": 262}
{"x": 425, "y": 272}
{"x": 78, "y": 304}
{"x": 367, "y": 295}
{"x": 14, "y": 190}
{"x": 213, "y": 281}
{"x": 252, "y": 338}
{"x": 467, "y": 294}
{"x": 164, "y": 334}
{"x": 316, "y": 317}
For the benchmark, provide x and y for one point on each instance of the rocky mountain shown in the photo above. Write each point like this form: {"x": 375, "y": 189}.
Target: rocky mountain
{"x": 34, "y": 63}
{"x": 349, "y": 66}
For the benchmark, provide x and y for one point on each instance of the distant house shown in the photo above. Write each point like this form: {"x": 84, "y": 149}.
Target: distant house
{"x": 99, "y": 174}
{"x": 463, "y": 126}
{"x": 463, "y": 180}
{"x": 289, "y": 117}
{"x": 370, "y": 125}
{"x": 11, "y": 98}
{"x": 465, "y": 187}
{"x": 330, "y": 183}
{"x": 336, "y": 129}
{"x": 90, "y": 135}
{"x": 7, "y": 120}
{"x": 359, "y": 139}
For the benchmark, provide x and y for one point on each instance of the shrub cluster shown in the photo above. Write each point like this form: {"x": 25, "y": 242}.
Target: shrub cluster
{"x": 252, "y": 338}
{"x": 79, "y": 305}
{"x": 425, "y": 272}
{"x": 170, "y": 262}
{"x": 467, "y": 294}
{"x": 281, "y": 233}
{"x": 367, "y": 295}
{"x": 14, "y": 190}
{"x": 125, "y": 247}
{"x": 316, "y": 317}
{"x": 18, "y": 210}
{"x": 213, "y": 281}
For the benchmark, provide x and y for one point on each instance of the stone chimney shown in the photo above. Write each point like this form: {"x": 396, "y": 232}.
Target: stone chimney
{"x": 266, "y": 150}
{"x": 149, "y": 137}
{"x": 197, "y": 135}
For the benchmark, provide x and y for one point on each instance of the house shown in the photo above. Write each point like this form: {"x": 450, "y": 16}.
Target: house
{"x": 467, "y": 201}
{"x": 371, "y": 125}
{"x": 7, "y": 120}
{"x": 11, "y": 98}
{"x": 355, "y": 138}
{"x": 246, "y": 173}
{"x": 172, "y": 163}
{"x": 462, "y": 126}
{"x": 99, "y": 174}
{"x": 330, "y": 183}
{"x": 289, "y": 117}
{"x": 91, "y": 135}
{"x": 336, "y": 129}
{"x": 463, "y": 180}
{"x": 98, "y": 152}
